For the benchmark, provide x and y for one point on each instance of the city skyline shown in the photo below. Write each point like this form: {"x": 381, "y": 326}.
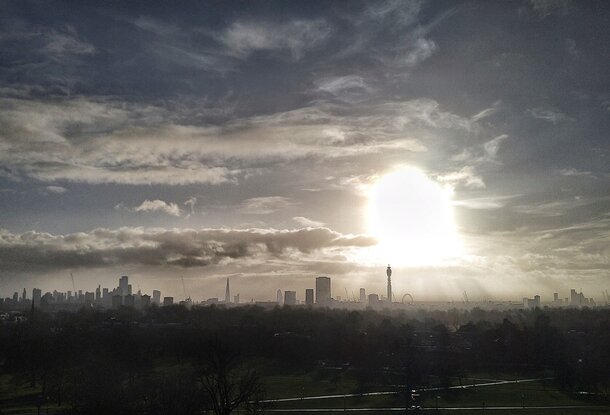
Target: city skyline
{"x": 465, "y": 143}
{"x": 321, "y": 295}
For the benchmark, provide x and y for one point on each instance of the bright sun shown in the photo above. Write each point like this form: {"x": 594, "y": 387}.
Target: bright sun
{"x": 412, "y": 217}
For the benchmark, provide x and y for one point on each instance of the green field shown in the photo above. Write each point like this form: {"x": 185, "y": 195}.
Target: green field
{"x": 21, "y": 399}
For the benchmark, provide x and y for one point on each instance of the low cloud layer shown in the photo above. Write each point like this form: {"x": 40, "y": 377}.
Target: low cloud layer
{"x": 39, "y": 252}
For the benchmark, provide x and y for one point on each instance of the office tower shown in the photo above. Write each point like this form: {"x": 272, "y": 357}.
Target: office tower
{"x": 36, "y": 296}
{"x": 388, "y": 272}
{"x": 123, "y": 285}
{"x": 236, "y": 299}
{"x": 168, "y": 301}
{"x": 555, "y": 297}
{"x": 98, "y": 294}
{"x": 309, "y": 296}
{"x": 537, "y": 301}
{"x": 129, "y": 290}
{"x": 574, "y": 297}
{"x": 323, "y": 290}
{"x": 278, "y": 296}
{"x": 145, "y": 301}
{"x": 290, "y": 297}
{"x": 156, "y": 298}
{"x": 227, "y": 293}
{"x": 23, "y": 296}
{"x": 362, "y": 295}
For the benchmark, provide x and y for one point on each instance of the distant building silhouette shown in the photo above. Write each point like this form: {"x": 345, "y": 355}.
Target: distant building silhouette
{"x": 278, "y": 296}
{"x": 323, "y": 293}
{"x": 362, "y": 295}
{"x": 36, "y": 296}
{"x": 531, "y": 302}
{"x": 156, "y": 298}
{"x": 145, "y": 300}
{"x": 123, "y": 285}
{"x": 168, "y": 301}
{"x": 227, "y": 293}
{"x": 309, "y": 296}
{"x": 388, "y": 272}
{"x": 290, "y": 297}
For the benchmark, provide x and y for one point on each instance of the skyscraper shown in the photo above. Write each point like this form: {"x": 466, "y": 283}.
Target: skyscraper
{"x": 156, "y": 297}
{"x": 290, "y": 297}
{"x": 388, "y": 272}
{"x": 309, "y": 296}
{"x": 36, "y": 296}
{"x": 362, "y": 295}
{"x": 227, "y": 293}
{"x": 123, "y": 285}
{"x": 323, "y": 290}
{"x": 278, "y": 296}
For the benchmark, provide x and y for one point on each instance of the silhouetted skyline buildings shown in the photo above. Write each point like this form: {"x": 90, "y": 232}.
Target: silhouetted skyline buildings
{"x": 123, "y": 295}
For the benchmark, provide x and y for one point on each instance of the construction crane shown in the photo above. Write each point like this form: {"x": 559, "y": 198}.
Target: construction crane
{"x": 184, "y": 288}
{"x": 73, "y": 285}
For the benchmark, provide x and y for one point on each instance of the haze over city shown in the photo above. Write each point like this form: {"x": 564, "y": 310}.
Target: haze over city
{"x": 464, "y": 143}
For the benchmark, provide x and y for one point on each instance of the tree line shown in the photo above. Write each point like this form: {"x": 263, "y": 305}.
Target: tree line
{"x": 177, "y": 360}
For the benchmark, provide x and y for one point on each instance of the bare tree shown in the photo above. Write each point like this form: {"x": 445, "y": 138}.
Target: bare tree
{"x": 228, "y": 383}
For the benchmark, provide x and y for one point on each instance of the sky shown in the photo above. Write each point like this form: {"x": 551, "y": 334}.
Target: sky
{"x": 244, "y": 139}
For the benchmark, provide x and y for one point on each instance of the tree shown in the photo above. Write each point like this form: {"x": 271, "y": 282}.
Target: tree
{"x": 228, "y": 383}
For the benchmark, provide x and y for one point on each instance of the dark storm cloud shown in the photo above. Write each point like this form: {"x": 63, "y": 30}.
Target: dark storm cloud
{"x": 36, "y": 251}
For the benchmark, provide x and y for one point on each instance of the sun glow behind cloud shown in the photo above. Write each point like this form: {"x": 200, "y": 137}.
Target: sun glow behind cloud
{"x": 412, "y": 217}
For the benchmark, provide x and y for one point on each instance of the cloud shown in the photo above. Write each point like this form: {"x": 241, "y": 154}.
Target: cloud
{"x": 54, "y": 43}
{"x": 573, "y": 172}
{"x": 297, "y": 36}
{"x": 158, "y": 206}
{"x": 56, "y": 189}
{"x": 419, "y": 51}
{"x": 102, "y": 141}
{"x": 38, "y": 251}
{"x": 303, "y": 221}
{"x": 191, "y": 202}
{"x": 548, "y": 114}
{"x": 492, "y": 146}
{"x": 266, "y": 205}
{"x": 545, "y": 8}
{"x": 349, "y": 88}
{"x": 558, "y": 207}
{"x": 59, "y": 44}
{"x": 485, "y": 203}
{"x": 466, "y": 177}
{"x": 487, "y": 112}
